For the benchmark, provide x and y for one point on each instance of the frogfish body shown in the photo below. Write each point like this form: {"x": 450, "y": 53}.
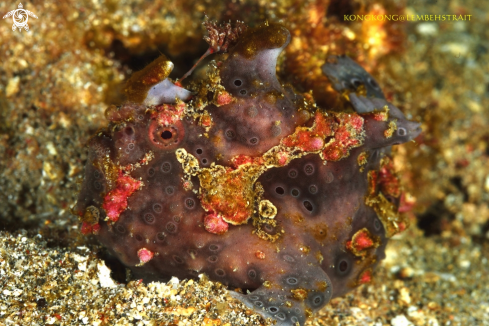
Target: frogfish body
{"x": 245, "y": 180}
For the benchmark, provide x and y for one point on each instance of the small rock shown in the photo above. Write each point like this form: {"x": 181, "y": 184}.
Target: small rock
{"x": 401, "y": 320}
{"x": 12, "y": 86}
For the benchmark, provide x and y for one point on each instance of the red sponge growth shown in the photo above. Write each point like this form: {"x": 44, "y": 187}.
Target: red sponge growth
{"x": 115, "y": 202}
{"x": 361, "y": 241}
{"x": 215, "y": 224}
{"x": 145, "y": 255}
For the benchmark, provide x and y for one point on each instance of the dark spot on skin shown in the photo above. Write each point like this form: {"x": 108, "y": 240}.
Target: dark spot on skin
{"x": 121, "y": 229}
{"x": 199, "y": 151}
{"x": 291, "y": 281}
{"x": 157, "y": 208}
{"x": 252, "y": 274}
{"x": 190, "y": 203}
{"x": 171, "y": 227}
{"x": 313, "y": 189}
{"x": 97, "y": 185}
{"x": 309, "y": 169}
{"x": 160, "y": 236}
{"x": 177, "y": 259}
{"x": 166, "y": 167}
{"x": 212, "y": 259}
{"x": 295, "y": 192}
{"x": 280, "y": 190}
{"x": 138, "y": 237}
{"x": 149, "y": 218}
{"x": 230, "y": 134}
{"x": 268, "y": 228}
{"x": 129, "y": 131}
{"x": 317, "y": 300}
{"x": 151, "y": 172}
{"x": 289, "y": 258}
{"x": 273, "y": 310}
{"x": 253, "y": 141}
{"x": 220, "y": 272}
{"x": 293, "y": 173}
{"x": 242, "y": 92}
{"x": 343, "y": 267}
{"x": 307, "y": 205}
{"x": 238, "y": 82}
{"x": 170, "y": 190}
{"x": 213, "y": 247}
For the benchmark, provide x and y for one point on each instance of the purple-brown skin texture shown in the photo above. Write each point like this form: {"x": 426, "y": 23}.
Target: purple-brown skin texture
{"x": 155, "y": 211}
